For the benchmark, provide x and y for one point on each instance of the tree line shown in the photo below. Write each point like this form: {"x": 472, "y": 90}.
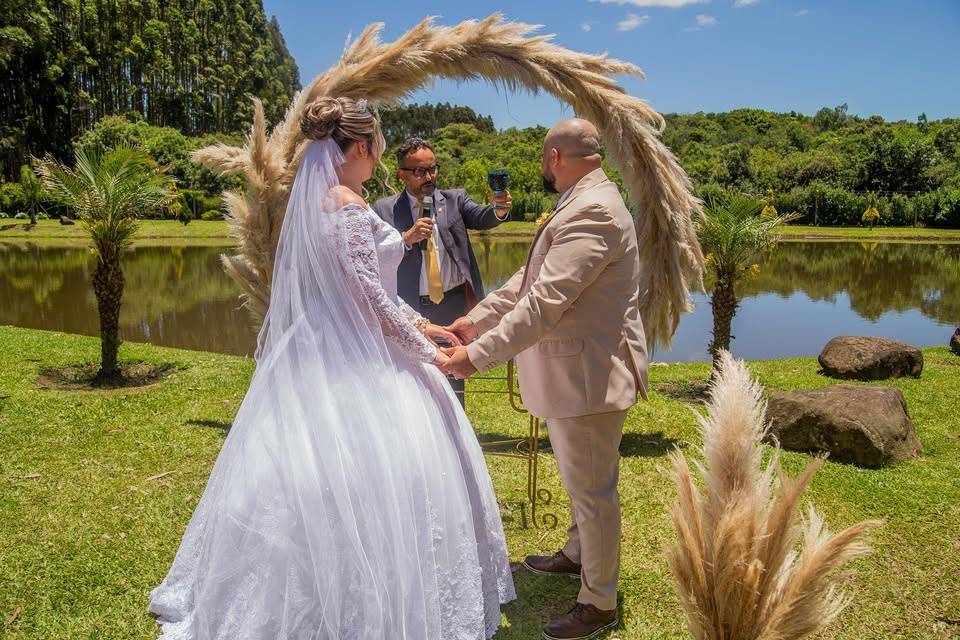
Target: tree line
{"x": 828, "y": 168}
{"x": 191, "y": 65}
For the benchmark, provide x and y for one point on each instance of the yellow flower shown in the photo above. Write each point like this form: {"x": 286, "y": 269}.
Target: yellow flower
{"x": 543, "y": 218}
{"x": 754, "y": 270}
{"x": 769, "y": 211}
{"x": 709, "y": 259}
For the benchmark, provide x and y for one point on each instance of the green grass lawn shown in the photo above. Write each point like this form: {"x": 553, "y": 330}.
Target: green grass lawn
{"x": 863, "y": 233}
{"x": 215, "y": 232}
{"x": 791, "y": 232}
{"x": 164, "y": 232}
{"x": 98, "y": 487}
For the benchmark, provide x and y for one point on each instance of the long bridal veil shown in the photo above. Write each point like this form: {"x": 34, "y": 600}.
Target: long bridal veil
{"x": 339, "y": 506}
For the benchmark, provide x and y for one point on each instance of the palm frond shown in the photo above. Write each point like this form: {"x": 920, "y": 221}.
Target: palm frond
{"x": 732, "y": 231}
{"x": 108, "y": 192}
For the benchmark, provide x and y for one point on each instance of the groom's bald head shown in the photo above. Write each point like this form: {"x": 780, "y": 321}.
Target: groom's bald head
{"x": 571, "y": 150}
{"x": 576, "y": 137}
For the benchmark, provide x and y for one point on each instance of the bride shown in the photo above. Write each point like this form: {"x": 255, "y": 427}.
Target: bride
{"x": 350, "y": 499}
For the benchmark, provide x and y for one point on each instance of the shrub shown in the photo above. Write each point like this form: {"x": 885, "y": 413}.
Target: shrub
{"x": 11, "y": 197}
{"x": 198, "y": 203}
{"x": 213, "y": 214}
{"x": 711, "y": 191}
{"x": 940, "y": 208}
{"x": 823, "y": 205}
{"x": 899, "y": 211}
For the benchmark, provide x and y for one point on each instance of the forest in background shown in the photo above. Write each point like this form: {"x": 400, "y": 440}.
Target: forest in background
{"x": 191, "y": 65}
{"x": 172, "y": 76}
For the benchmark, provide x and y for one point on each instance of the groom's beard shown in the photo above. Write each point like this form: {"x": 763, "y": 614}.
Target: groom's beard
{"x": 549, "y": 184}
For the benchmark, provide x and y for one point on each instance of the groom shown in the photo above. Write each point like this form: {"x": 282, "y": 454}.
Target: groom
{"x": 571, "y": 317}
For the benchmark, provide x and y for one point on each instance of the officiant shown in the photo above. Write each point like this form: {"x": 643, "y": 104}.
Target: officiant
{"x": 439, "y": 275}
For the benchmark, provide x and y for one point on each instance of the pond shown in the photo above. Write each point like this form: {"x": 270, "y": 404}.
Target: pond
{"x": 806, "y": 293}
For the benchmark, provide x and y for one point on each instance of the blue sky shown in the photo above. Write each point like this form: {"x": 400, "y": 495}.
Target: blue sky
{"x": 895, "y": 59}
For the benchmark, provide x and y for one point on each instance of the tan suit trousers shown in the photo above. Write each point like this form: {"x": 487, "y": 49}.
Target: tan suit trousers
{"x": 587, "y": 450}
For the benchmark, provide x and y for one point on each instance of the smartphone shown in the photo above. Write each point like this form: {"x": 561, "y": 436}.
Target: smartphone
{"x": 499, "y": 180}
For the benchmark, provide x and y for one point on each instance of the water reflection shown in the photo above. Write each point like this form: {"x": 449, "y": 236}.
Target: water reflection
{"x": 807, "y": 292}
{"x": 174, "y": 296}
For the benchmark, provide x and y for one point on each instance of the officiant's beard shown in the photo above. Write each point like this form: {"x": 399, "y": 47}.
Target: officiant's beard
{"x": 426, "y": 189}
{"x": 549, "y": 184}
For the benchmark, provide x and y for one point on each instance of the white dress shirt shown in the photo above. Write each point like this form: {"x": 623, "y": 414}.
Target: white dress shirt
{"x": 566, "y": 194}
{"x": 450, "y": 275}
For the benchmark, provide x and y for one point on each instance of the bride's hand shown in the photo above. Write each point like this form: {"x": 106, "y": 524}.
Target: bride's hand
{"x": 435, "y": 332}
{"x": 442, "y": 358}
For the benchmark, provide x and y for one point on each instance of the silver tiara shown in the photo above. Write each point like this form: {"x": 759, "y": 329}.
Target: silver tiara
{"x": 362, "y": 104}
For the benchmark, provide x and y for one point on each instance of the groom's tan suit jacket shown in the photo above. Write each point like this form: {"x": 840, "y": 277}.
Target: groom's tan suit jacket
{"x": 571, "y": 314}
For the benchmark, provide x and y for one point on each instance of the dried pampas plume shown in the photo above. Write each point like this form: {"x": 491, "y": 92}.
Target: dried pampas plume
{"x": 507, "y": 54}
{"x": 739, "y": 566}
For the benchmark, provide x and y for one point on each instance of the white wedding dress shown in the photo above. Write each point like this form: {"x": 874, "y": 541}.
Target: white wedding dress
{"x": 350, "y": 500}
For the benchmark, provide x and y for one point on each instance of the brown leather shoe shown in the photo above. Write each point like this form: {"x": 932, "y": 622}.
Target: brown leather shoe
{"x": 556, "y": 565}
{"x": 582, "y": 622}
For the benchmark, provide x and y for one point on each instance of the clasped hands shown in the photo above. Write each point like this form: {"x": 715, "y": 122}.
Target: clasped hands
{"x": 454, "y": 361}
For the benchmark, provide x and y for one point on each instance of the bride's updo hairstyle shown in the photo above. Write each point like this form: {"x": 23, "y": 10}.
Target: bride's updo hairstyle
{"x": 345, "y": 120}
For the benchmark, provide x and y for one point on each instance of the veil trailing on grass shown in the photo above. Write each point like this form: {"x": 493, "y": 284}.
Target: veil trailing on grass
{"x": 343, "y": 504}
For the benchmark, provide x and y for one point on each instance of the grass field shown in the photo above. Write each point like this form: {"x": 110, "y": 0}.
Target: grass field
{"x": 151, "y": 232}
{"x": 98, "y": 487}
{"x": 790, "y": 232}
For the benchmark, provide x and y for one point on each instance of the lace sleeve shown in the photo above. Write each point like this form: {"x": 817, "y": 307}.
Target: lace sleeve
{"x": 409, "y": 313}
{"x": 362, "y": 254}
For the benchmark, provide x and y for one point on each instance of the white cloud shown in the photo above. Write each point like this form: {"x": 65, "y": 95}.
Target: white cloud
{"x": 740, "y": 4}
{"x": 661, "y": 4}
{"x": 585, "y": 27}
{"x": 801, "y": 13}
{"x": 703, "y": 21}
{"x": 631, "y": 22}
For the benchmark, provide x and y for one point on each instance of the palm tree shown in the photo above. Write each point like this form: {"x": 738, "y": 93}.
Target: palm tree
{"x": 871, "y": 216}
{"x": 32, "y": 192}
{"x": 733, "y": 234}
{"x": 107, "y": 194}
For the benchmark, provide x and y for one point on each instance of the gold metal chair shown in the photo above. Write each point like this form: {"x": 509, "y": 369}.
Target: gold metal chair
{"x": 525, "y": 448}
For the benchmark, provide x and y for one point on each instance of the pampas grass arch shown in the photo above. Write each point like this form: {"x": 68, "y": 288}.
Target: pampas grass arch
{"x": 504, "y": 53}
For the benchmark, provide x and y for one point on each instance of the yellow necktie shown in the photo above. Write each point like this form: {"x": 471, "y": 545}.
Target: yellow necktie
{"x": 434, "y": 282}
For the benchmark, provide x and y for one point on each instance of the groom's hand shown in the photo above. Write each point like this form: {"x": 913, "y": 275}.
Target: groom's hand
{"x": 464, "y": 329}
{"x": 459, "y": 365}
{"x": 437, "y": 334}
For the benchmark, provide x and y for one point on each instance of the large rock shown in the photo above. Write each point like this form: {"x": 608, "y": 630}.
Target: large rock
{"x": 865, "y": 426}
{"x": 862, "y": 358}
{"x": 64, "y": 220}
{"x": 955, "y": 342}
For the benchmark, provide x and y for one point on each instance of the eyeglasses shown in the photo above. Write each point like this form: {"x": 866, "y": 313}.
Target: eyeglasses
{"x": 422, "y": 172}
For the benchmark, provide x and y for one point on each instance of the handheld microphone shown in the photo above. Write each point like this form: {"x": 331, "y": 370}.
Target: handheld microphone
{"x": 426, "y": 211}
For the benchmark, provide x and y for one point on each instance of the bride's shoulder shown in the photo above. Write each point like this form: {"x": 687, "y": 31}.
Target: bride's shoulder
{"x": 340, "y": 197}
